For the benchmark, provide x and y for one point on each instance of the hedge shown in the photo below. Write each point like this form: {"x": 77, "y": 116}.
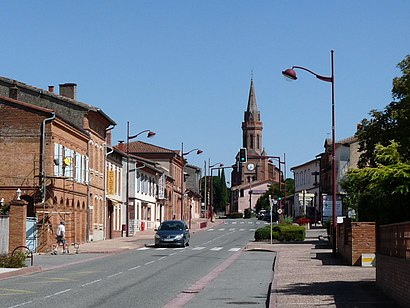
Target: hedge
{"x": 281, "y": 233}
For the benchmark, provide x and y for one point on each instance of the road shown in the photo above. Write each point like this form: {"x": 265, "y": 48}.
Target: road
{"x": 154, "y": 277}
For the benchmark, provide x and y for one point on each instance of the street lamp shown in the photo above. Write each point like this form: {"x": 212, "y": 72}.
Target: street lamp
{"x": 198, "y": 151}
{"x": 127, "y": 209}
{"x": 211, "y": 186}
{"x": 291, "y": 74}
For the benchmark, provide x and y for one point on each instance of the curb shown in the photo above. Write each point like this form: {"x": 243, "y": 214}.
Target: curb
{"x": 22, "y": 271}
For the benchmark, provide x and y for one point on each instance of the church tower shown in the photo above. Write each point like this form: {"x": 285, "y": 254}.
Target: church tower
{"x": 251, "y": 178}
{"x": 252, "y": 126}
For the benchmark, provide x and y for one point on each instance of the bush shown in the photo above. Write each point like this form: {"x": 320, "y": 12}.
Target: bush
{"x": 281, "y": 233}
{"x": 287, "y": 220}
{"x": 234, "y": 215}
{"x": 16, "y": 260}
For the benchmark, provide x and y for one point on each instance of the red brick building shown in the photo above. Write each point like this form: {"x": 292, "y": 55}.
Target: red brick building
{"x": 53, "y": 149}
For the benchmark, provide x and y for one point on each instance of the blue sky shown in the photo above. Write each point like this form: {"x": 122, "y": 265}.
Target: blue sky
{"x": 183, "y": 68}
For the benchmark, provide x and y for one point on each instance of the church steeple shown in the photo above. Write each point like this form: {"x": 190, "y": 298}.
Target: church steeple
{"x": 252, "y": 125}
{"x": 252, "y": 113}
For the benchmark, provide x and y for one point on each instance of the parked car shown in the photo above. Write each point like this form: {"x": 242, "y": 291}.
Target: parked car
{"x": 275, "y": 216}
{"x": 172, "y": 233}
{"x": 261, "y": 214}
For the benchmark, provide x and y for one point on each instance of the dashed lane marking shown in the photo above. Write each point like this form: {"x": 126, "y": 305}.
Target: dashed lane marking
{"x": 216, "y": 248}
{"x": 235, "y": 249}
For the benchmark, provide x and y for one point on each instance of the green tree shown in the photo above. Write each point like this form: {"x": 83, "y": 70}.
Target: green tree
{"x": 381, "y": 193}
{"x": 273, "y": 191}
{"x": 219, "y": 191}
{"x": 393, "y": 123}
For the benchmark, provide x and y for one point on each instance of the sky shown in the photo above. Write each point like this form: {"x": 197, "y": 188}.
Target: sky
{"x": 183, "y": 68}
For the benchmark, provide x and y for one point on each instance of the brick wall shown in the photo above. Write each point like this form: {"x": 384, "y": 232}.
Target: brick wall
{"x": 17, "y": 224}
{"x": 393, "y": 277}
{"x": 355, "y": 239}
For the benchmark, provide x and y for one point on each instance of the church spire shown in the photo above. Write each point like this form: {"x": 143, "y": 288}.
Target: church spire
{"x": 252, "y": 113}
{"x": 252, "y": 125}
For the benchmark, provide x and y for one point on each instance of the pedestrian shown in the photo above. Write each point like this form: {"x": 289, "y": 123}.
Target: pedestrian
{"x": 61, "y": 237}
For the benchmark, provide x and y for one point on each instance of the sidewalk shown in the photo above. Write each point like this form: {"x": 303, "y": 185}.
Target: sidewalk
{"x": 306, "y": 274}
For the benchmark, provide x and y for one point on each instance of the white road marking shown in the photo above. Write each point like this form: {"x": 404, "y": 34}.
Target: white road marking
{"x": 198, "y": 248}
{"x": 150, "y": 262}
{"x": 211, "y": 229}
{"x": 162, "y": 258}
{"x": 252, "y": 229}
{"x": 161, "y": 248}
{"x": 91, "y": 282}
{"x": 143, "y": 248}
{"x": 235, "y": 249}
{"x": 58, "y": 293}
{"x": 133, "y": 268}
{"x": 234, "y": 222}
{"x": 222, "y": 229}
{"x": 22, "y": 304}
{"x": 241, "y": 229}
{"x": 232, "y": 229}
{"x": 216, "y": 248}
{"x": 114, "y": 275}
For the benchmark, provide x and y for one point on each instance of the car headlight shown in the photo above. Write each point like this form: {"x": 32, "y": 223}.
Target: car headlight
{"x": 157, "y": 236}
{"x": 179, "y": 236}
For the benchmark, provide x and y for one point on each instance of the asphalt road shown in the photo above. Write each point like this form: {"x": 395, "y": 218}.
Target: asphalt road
{"x": 213, "y": 271}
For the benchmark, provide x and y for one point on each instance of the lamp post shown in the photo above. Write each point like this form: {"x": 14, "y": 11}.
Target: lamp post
{"x": 280, "y": 176}
{"x": 211, "y": 187}
{"x": 291, "y": 74}
{"x": 127, "y": 207}
{"x": 198, "y": 151}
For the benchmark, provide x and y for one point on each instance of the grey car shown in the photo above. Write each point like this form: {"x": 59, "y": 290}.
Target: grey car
{"x": 172, "y": 233}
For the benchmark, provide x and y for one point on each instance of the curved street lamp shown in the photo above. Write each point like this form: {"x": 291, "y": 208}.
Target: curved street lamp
{"x": 211, "y": 187}
{"x": 198, "y": 151}
{"x": 290, "y": 73}
{"x": 150, "y": 134}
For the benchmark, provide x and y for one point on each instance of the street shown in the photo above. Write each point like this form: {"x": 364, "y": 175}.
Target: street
{"x": 153, "y": 277}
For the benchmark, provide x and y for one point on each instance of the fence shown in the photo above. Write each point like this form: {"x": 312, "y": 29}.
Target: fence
{"x": 394, "y": 240}
{"x": 4, "y": 234}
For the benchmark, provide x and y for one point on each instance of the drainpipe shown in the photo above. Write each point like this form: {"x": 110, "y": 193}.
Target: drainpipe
{"x": 42, "y": 171}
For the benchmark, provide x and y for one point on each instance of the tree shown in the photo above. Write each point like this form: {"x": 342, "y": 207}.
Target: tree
{"x": 273, "y": 191}
{"x": 381, "y": 193}
{"x": 393, "y": 123}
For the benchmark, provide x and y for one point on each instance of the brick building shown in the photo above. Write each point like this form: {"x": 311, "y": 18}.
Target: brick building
{"x": 53, "y": 150}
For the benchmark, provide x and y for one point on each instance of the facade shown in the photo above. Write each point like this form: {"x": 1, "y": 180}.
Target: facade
{"x": 313, "y": 181}
{"x": 56, "y": 156}
{"x": 193, "y": 191}
{"x": 115, "y": 193}
{"x": 170, "y": 161}
{"x": 306, "y": 197}
{"x": 259, "y": 167}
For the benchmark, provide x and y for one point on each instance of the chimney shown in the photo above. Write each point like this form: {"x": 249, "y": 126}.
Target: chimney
{"x": 14, "y": 92}
{"x": 121, "y": 146}
{"x": 108, "y": 137}
{"x": 51, "y": 89}
{"x": 69, "y": 90}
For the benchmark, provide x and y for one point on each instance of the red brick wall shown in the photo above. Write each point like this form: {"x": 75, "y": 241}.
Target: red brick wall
{"x": 356, "y": 238}
{"x": 17, "y": 224}
{"x": 393, "y": 277}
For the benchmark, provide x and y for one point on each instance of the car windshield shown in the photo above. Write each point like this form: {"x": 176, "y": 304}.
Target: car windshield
{"x": 171, "y": 226}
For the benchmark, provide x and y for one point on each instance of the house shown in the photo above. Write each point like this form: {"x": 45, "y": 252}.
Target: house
{"x": 55, "y": 149}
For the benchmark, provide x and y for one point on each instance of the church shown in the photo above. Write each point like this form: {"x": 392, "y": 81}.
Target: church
{"x": 252, "y": 178}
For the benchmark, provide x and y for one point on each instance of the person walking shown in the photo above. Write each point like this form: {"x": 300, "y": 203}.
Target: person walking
{"x": 61, "y": 237}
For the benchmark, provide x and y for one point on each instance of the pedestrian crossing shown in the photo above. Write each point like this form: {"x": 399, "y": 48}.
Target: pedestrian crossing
{"x": 197, "y": 248}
